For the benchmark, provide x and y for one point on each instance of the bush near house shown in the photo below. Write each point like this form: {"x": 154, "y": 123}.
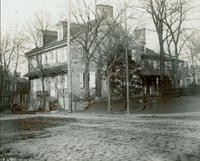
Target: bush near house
{"x": 194, "y": 89}
{"x": 118, "y": 79}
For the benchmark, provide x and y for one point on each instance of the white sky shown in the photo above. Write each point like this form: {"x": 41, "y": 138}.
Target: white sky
{"x": 19, "y": 12}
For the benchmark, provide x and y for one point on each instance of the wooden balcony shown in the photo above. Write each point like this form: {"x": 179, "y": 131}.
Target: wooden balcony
{"x": 149, "y": 70}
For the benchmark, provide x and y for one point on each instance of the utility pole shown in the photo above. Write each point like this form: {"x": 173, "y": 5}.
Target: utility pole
{"x": 69, "y": 83}
{"x": 95, "y": 7}
{"x": 127, "y": 81}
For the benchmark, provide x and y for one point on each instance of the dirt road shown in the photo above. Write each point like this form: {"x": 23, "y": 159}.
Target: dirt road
{"x": 171, "y": 137}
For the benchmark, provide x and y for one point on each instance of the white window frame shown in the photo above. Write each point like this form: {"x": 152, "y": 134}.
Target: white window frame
{"x": 92, "y": 79}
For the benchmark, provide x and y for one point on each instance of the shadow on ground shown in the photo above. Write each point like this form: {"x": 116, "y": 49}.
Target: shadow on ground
{"x": 29, "y": 128}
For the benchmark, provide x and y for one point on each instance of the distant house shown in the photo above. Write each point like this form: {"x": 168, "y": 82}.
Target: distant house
{"x": 150, "y": 64}
{"x": 193, "y": 76}
{"x": 20, "y": 91}
{"x": 16, "y": 90}
{"x": 5, "y": 88}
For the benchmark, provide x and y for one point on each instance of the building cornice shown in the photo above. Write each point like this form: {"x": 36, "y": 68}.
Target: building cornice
{"x": 49, "y": 47}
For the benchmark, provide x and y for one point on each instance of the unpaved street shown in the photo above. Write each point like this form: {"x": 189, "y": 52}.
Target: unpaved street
{"x": 171, "y": 137}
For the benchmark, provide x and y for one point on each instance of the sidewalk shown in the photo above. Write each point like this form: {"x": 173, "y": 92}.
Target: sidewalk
{"x": 154, "y": 106}
{"x": 173, "y": 107}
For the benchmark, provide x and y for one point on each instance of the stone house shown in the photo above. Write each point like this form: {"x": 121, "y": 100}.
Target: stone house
{"x": 52, "y": 55}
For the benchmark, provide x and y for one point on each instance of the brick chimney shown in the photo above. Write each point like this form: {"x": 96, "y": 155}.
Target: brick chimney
{"x": 62, "y": 29}
{"x": 104, "y": 11}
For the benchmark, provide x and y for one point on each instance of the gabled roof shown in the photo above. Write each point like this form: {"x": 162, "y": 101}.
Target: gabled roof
{"x": 56, "y": 44}
{"x": 152, "y": 54}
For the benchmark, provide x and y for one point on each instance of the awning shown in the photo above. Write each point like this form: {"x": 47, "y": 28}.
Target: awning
{"x": 50, "y": 71}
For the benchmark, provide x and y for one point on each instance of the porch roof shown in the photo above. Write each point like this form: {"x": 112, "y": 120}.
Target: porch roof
{"x": 50, "y": 71}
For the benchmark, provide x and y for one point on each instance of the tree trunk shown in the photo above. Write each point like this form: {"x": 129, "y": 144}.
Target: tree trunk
{"x": 1, "y": 89}
{"x": 99, "y": 78}
{"x": 109, "y": 107}
{"x": 176, "y": 71}
{"x": 12, "y": 93}
{"x": 63, "y": 98}
{"x": 87, "y": 86}
{"x": 43, "y": 91}
{"x": 162, "y": 65}
{"x": 3, "y": 94}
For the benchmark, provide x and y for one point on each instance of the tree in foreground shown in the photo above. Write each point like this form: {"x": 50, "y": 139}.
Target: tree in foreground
{"x": 36, "y": 36}
{"x": 89, "y": 35}
{"x": 168, "y": 18}
{"x": 118, "y": 78}
{"x": 12, "y": 47}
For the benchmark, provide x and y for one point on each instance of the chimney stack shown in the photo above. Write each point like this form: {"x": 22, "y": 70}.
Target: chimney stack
{"x": 105, "y": 11}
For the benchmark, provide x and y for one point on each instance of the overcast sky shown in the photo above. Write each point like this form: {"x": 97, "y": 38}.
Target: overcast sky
{"x": 19, "y": 12}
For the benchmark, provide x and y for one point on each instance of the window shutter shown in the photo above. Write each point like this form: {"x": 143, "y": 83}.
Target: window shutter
{"x": 81, "y": 76}
{"x": 92, "y": 79}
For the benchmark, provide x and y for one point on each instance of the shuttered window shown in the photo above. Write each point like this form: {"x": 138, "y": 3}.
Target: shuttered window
{"x": 92, "y": 80}
{"x": 82, "y": 78}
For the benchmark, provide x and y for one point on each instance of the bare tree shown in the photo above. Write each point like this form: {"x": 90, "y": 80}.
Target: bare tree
{"x": 157, "y": 10}
{"x": 35, "y": 30}
{"x": 168, "y": 18}
{"x": 112, "y": 48}
{"x": 109, "y": 54}
{"x": 12, "y": 47}
{"x": 176, "y": 15}
{"x": 92, "y": 31}
{"x": 193, "y": 53}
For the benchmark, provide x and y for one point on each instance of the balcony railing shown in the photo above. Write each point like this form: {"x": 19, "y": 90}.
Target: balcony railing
{"x": 148, "y": 70}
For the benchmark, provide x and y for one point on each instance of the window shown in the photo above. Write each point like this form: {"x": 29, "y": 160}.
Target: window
{"x": 198, "y": 81}
{"x": 62, "y": 55}
{"x": 56, "y": 55}
{"x": 170, "y": 65}
{"x": 51, "y": 59}
{"x": 65, "y": 53}
{"x": 60, "y": 33}
{"x": 157, "y": 64}
{"x": 38, "y": 85}
{"x": 47, "y": 84}
{"x": 82, "y": 78}
{"x": 92, "y": 80}
{"x": 154, "y": 64}
{"x": 143, "y": 63}
{"x": 147, "y": 63}
{"x": 52, "y": 84}
{"x": 188, "y": 80}
{"x": 33, "y": 62}
{"x": 38, "y": 60}
{"x": 46, "y": 58}
{"x": 151, "y": 62}
{"x": 65, "y": 80}
{"x": 133, "y": 55}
